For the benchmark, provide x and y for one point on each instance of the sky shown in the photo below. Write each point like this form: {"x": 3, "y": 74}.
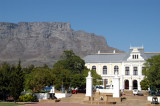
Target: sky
{"x": 123, "y": 23}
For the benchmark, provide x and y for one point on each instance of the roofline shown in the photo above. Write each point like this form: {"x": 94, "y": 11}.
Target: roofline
{"x": 151, "y": 52}
{"x": 109, "y": 53}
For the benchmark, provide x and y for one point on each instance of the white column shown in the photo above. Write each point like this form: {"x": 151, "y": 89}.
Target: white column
{"x": 139, "y": 85}
{"x": 130, "y": 84}
{"x": 103, "y": 82}
{"x": 99, "y": 69}
{"x": 122, "y": 83}
{"x": 116, "y": 87}
{"x": 89, "y": 84}
{"x": 139, "y": 69}
{"x": 122, "y": 69}
{"x": 110, "y": 71}
{"x": 131, "y": 70}
{"x": 122, "y": 74}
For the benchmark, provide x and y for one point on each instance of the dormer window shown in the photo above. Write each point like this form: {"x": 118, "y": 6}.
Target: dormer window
{"x": 135, "y": 56}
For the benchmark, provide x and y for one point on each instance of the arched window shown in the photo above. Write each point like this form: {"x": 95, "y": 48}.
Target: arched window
{"x": 116, "y": 69}
{"x": 126, "y": 70}
{"x": 94, "y": 68}
{"x": 104, "y": 69}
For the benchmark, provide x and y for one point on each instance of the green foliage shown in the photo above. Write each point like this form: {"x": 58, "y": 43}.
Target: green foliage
{"x": 152, "y": 71}
{"x": 28, "y": 69}
{"x": 71, "y": 71}
{"x": 5, "y": 78}
{"x": 17, "y": 81}
{"x": 96, "y": 78}
{"x": 38, "y": 79}
{"x": 78, "y": 80}
{"x": 27, "y": 98}
{"x": 60, "y": 77}
{"x": 145, "y": 84}
{"x": 71, "y": 62}
{"x": 10, "y": 104}
{"x": 11, "y": 81}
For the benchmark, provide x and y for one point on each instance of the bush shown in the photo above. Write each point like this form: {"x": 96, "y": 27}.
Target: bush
{"x": 27, "y": 98}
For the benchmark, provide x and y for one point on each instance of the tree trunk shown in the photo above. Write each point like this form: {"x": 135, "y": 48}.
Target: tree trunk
{"x": 14, "y": 101}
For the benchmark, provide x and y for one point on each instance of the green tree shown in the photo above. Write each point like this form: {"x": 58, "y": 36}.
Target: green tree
{"x": 17, "y": 81}
{"x": 145, "y": 84}
{"x": 152, "y": 71}
{"x": 5, "y": 77}
{"x": 38, "y": 79}
{"x": 60, "y": 77}
{"x": 28, "y": 69}
{"x": 71, "y": 62}
{"x": 75, "y": 69}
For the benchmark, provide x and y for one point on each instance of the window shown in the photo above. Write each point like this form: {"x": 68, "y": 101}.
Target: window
{"x": 104, "y": 69}
{"x": 135, "y": 56}
{"x": 135, "y": 71}
{"x": 126, "y": 70}
{"x": 116, "y": 70}
{"x": 94, "y": 68}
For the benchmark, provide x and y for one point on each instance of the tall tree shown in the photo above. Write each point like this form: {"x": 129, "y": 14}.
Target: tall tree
{"x": 75, "y": 69}
{"x": 152, "y": 71}
{"x": 60, "y": 77}
{"x": 5, "y": 74}
{"x": 17, "y": 81}
{"x": 71, "y": 62}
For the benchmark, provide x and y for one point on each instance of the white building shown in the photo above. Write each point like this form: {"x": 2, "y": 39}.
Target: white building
{"x": 128, "y": 65}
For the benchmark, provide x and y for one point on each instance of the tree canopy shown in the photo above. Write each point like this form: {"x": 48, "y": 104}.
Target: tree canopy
{"x": 17, "y": 81}
{"x": 38, "y": 79}
{"x": 152, "y": 71}
{"x": 11, "y": 81}
{"x": 71, "y": 62}
{"x": 71, "y": 71}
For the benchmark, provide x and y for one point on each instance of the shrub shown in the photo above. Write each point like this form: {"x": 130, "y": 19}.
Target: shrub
{"x": 27, "y": 98}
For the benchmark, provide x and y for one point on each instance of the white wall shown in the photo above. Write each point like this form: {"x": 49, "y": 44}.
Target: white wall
{"x": 45, "y": 96}
{"x": 42, "y": 96}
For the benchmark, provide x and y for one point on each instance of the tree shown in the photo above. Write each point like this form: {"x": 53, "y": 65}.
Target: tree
{"x": 152, "y": 71}
{"x": 145, "y": 84}
{"x": 96, "y": 78}
{"x": 60, "y": 77}
{"x": 17, "y": 81}
{"x": 38, "y": 79}
{"x": 71, "y": 62}
{"x": 5, "y": 74}
{"x": 75, "y": 69}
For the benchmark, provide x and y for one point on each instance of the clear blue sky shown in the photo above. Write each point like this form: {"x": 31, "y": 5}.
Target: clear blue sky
{"x": 121, "y": 22}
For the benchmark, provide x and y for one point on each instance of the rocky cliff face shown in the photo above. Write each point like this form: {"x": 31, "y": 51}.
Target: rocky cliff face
{"x": 44, "y": 42}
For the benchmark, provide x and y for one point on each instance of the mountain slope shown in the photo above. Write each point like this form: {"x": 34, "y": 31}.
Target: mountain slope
{"x": 44, "y": 42}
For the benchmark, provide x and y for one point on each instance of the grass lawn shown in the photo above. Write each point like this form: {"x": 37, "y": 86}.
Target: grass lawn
{"x": 10, "y": 104}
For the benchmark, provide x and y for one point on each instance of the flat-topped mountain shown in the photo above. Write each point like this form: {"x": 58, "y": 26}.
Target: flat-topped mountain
{"x": 44, "y": 42}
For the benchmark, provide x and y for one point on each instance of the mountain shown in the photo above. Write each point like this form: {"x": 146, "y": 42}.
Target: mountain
{"x": 44, "y": 42}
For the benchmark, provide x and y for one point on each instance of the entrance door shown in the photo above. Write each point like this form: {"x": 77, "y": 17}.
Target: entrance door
{"x": 126, "y": 84}
{"x": 135, "y": 85}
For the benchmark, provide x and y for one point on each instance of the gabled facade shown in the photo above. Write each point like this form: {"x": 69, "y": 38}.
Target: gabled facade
{"x": 129, "y": 66}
